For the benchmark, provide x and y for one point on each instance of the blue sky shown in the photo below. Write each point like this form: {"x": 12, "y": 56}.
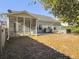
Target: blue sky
{"x": 22, "y": 5}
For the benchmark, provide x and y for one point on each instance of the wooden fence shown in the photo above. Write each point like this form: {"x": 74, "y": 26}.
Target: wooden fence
{"x": 3, "y": 37}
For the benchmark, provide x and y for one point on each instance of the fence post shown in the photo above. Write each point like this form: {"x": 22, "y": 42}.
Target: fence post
{"x": 0, "y": 40}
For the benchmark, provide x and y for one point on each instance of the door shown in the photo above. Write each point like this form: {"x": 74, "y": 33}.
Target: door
{"x": 12, "y": 28}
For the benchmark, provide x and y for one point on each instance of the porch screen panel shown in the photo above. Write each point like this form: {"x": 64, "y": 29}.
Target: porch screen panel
{"x": 27, "y": 25}
{"x": 12, "y": 27}
{"x": 20, "y": 24}
{"x": 33, "y": 26}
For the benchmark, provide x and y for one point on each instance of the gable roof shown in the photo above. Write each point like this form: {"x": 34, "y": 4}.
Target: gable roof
{"x": 19, "y": 13}
{"x": 37, "y": 16}
{"x": 43, "y": 17}
{"x": 46, "y": 18}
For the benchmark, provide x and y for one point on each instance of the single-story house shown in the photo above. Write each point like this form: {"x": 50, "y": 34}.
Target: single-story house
{"x": 26, "y": 23}
{"x": 23, "y": 23}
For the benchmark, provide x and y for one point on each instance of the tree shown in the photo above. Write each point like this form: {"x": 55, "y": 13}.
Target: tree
{"x": 66, "y": 10}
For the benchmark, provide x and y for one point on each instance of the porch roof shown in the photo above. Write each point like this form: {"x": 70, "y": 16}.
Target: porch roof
{"x": 20, "y": 14}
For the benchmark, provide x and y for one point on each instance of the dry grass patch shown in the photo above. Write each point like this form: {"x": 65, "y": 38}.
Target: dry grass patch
{"x": 65, "y": 43}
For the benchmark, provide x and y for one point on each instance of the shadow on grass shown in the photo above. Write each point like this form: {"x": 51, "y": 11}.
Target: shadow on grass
{"x": 28, "y": 48}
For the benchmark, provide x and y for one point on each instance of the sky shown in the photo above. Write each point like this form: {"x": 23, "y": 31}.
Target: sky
{"x": 20, "y": 5}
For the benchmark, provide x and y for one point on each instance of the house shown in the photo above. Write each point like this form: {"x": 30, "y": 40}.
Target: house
{"x": 25, "y": 23}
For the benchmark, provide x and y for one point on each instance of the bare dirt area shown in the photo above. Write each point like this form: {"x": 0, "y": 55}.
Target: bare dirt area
{"x": 32, "y": 48}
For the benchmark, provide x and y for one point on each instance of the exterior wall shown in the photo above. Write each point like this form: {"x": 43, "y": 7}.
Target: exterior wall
{"x": 62, "y": 30}
{"x": 46, "y": 25}
{"x": 43, "y": 25}
{"x": 28, "y": 26}
{"x": 64, "y": 24}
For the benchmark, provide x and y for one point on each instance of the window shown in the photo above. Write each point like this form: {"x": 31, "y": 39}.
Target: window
{"x": 54, "y": 28}
{"x": 40, "y": 27}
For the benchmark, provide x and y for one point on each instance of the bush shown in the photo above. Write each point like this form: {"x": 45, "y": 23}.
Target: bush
{"x": 74, "y": 29}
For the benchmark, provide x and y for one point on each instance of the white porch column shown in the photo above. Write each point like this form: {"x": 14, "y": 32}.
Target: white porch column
{"x": 24, "y": 25}
{"x": 8, "y": 27}
{"x": 16, "y": 24}
{"x": 36, "y": 28}
{"x": 30, "y": 27}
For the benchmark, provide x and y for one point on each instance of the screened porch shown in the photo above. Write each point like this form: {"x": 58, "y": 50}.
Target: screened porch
{"x": 22, "y": 25}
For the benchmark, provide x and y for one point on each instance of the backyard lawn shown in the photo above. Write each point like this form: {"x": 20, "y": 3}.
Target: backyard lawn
{"x": 49, "y": 46}
{"x": 67, "y": 44}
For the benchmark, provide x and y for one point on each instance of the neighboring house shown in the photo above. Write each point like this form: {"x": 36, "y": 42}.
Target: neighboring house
{"x": 24, "y": 23}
